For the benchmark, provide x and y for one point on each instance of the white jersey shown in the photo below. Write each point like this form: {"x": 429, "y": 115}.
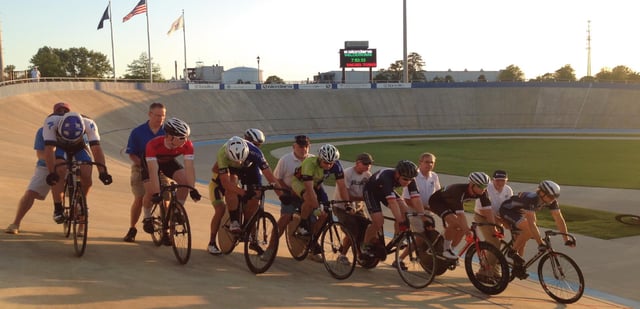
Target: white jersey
{"x": 497, "y": 198}
{"x": 427, "y": 185}
{"x": 354, "y": 182}
{"x": 286, "y": 167}
{"x": 50, "y": 130}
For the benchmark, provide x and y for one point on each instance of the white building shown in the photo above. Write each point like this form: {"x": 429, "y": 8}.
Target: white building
{"x": 241, "y": 75}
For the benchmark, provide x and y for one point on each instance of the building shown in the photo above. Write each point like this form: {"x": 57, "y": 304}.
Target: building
{"x": 362, "y": 76}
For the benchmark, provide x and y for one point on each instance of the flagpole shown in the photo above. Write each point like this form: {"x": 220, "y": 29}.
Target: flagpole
{"x": 149, "y": 45}
{"x": 184, "y": 38}
{"x": 113, "y": 57}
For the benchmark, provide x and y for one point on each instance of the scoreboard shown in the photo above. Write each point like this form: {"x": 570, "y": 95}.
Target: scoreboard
{"x": 358, "y": 58}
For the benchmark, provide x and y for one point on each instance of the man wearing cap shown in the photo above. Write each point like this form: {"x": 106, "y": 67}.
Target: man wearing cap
{"x": 498, "y": 192}
{"x": 355, "y": 178}
{"x": 38, "y": 187}
{"x": 284, "y": 172}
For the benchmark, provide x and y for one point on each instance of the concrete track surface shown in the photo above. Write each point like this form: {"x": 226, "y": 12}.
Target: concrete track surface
{"x": 38, "y": 267}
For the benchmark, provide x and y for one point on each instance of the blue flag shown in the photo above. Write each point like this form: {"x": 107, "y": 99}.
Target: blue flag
{"x": 105, "y": 16}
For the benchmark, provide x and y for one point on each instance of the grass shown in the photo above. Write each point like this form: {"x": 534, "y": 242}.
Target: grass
{"x": 579, "y": 162}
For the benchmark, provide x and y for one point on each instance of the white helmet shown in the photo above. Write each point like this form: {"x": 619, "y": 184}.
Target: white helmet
{"x": 479, "y": 179}
{"x": 71, "y": 127}
{"x": 237, "y": 149}
{"x": 329, "y": 153}
{"x": 255, "y": 136}
{"x": 550, "y": 188}
{"x": 176, "y": 127}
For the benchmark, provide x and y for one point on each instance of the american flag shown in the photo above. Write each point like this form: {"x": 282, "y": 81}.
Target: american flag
{"x": 139, "y": 9}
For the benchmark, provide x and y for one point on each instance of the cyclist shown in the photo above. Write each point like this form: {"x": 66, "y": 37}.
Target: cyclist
{"x": 307, "y": 185}
{"x": 353, "y": 216}
{"x": 254, "y": 136}
{"x": 38, "y": 187}
{"x": 380, "y": 189}
{"x": 237, "y": 160}
{"x": 136, "y": 145}
{"x": 67, "y": 132}
{"x": 284, "y": 172}
{"x": 160, "y": 157}
{"x": 448, "y": 204}
{"x": 520, "y": 212}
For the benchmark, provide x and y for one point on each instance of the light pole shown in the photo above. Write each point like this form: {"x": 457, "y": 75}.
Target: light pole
{"x": 258, "y": 59}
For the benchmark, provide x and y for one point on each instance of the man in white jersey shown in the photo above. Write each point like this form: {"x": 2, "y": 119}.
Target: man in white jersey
{"x": 355, "y": 178}
{"x": 498, "y": 192}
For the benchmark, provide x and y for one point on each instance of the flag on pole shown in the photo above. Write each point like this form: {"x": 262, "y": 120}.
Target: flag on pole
{"x": 177, "y": 25}
{"x": 105, "y": 16}
{"x": 139, "y": 9}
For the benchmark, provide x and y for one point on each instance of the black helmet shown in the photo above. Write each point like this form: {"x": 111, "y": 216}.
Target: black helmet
{"x": 177, "y": 127}
{"x": 407, "y": 169}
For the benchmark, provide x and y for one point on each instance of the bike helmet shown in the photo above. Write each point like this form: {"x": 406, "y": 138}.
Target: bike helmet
{"x": 407, "y": 169}
{"x": 237, "y": 149}
{"x": 479, "y": 179}
{"x": 329, "y": 153}
{"x": 255, "y": 136}
{"x": 71, "y": 127}
{"x": 177, "y": 127}
{"x": 550, "y": 188}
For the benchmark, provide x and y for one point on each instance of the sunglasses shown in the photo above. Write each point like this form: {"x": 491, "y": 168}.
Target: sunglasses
{"x": 406, "y": 178}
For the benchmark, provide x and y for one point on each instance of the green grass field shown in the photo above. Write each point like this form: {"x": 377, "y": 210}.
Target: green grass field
{"x": 594, "y": 162}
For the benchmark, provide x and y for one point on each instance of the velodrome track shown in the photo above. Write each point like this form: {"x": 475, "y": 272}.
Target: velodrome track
{"x": 38, "y": 267}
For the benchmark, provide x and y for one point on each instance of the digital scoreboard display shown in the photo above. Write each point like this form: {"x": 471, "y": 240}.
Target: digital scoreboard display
{"x": 358, "y": 58}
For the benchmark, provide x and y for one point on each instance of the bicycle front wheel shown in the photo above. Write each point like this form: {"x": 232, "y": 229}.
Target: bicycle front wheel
{"x": 80, "y": 223}
{"x": 560, "y": 277}
{"x": 487, "y": 269}
{"x": 297, "y": 245}
{"x": 262, "y": 247}
{"x": 157, "y": 214}
{"x": 180, "y": 232}
{"x": 338, "y": 250}
{"x": 628, "y": 219}
{"x": 417, "y": 268}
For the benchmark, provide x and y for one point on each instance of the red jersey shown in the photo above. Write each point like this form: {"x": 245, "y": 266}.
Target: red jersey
{"x": 156, "y": 150}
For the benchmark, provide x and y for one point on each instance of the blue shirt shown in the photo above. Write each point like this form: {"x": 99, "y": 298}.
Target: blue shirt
{"x": 38, "y": 144}
{"x": 139, "y": 138}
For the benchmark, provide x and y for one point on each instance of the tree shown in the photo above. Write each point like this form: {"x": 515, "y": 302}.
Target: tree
{"x": 565, "y": 73}
{"x": 9, "y": 71}
{"x": 512, "y": 73}
{"x": 73, "y": 62}
{"x": 273, "y": 79}
{"x": 139, "y": 69}
{"x": 394, "y": 73}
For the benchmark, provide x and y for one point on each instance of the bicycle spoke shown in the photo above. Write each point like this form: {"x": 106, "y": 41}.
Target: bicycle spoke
{"x": 561, "y": 278}
{"x": 417, "y": 268}
{"x": 338, "y": 251}
{"x": 261, "y": 248}
{"x": 180, "y": 232}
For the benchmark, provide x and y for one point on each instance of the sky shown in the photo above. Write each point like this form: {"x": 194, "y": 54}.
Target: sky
{"x": 296, "y": 39}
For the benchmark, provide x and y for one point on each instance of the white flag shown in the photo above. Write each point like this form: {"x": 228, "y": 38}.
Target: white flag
{"x": 177, "y": 25}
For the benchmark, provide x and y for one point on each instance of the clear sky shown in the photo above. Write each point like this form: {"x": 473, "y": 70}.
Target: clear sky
{"x": 296, "y": 39}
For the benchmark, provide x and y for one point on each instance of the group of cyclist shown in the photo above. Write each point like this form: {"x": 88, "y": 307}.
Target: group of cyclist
{"x": 154, "y": 146}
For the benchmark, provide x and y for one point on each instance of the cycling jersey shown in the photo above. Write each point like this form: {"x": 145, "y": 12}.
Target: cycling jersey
{"x": 255, "y": 158}
{"x": 381, "y": 188}
{"x": 528, "y": 201}
{"x": 51, "y": 138}
{"x": 450, "y": 199}
{"x": 156, "y": 150}
{"x": 310, "y": 170}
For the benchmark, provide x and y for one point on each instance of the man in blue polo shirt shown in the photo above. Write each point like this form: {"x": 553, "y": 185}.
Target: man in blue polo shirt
{"x": 135, "y": 148}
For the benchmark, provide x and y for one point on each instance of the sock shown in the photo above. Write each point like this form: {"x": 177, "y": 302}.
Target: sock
{"x": 57, "y": 207}
{"x": 447, "y": 244}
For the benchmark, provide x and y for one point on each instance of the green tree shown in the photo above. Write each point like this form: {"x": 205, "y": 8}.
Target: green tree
{"x": 394, "y": 73}
{"x": 565, "y": 73}
{"x": 273, "y": 79}
{"x": 72, "y": 62}
{"x": 546, "y": 77}
{"x": 139, "y": 69}
{"x": 512, "y": 73}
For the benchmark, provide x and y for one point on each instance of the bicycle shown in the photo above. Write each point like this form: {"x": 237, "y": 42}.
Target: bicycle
{"x": 172, "y": 221}
{"x": 420, "y": 270}
{"x": 76, "y": 218}
{"x": 628, "y": 219}
{"x": 559, "y": 275}
{"x": 338, "y": 260}
{"x": 260, "y": 248}
{"x": 485, "y": 265}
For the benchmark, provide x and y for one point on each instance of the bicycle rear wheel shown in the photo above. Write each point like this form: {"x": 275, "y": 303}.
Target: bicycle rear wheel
{"x": 628, "y": 219}
{"x": 560, "y": 277}
{"x": 80, "y": 223}
{"x": 158, "y": 213}
{"x": 261, "y": 249}
{"x": 297, "y": 245}
{"x": 338, "y": 260}
{"x": 487, "y": 269}
{"x": 180, "y": 232}
{"x": 418, "y": 270}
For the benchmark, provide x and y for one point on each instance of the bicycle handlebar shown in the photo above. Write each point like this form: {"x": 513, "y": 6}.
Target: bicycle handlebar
{"x": 174, "y": 186}
{"x": 549, "y": 233}
{"x": 68, "y": 163}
